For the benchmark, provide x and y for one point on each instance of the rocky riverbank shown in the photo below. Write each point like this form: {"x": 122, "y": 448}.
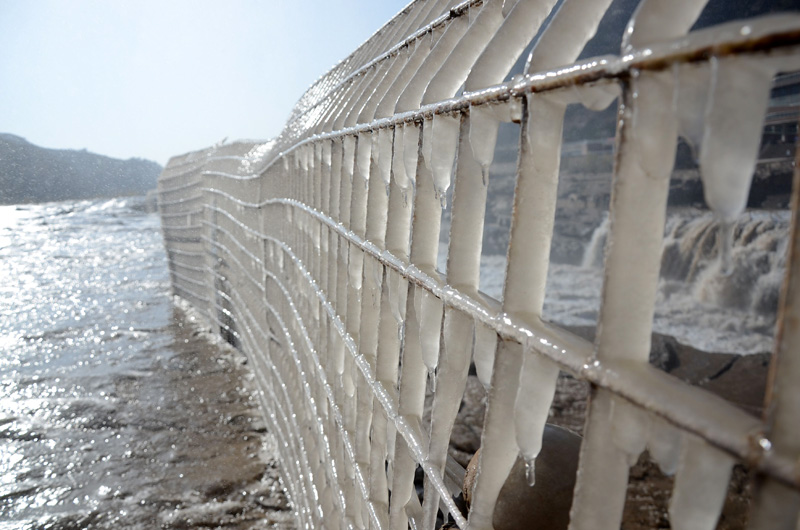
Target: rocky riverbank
{"x": 739, "y": 379}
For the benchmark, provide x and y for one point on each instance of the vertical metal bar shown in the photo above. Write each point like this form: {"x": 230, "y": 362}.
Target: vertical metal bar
{"x": 524, "y": 289}
{"x": 775, "y": 505}
{"x": 647, "y": 143}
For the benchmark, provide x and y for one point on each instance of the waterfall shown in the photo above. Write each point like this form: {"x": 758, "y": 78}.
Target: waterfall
{"x": 691, "y": 258}
{"x": 593, "y": 255}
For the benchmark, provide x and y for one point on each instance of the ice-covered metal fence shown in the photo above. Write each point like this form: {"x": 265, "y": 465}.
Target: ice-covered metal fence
{"x": 316, "y": 254}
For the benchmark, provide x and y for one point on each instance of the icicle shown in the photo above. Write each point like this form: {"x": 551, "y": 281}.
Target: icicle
{"x": 485, "y": 344}
{"x": 597, "y": 97}
{"x": 692, "y": 83}
{"x": 364, "y": 155}
{"x": 382, "y": 154}
{"x": 315, "y": 155}
{"x": 739, "y": 95}
{"x": 315, "y": 235}
{"x": 338, "y": 354}
{"x": 427, "y": 142}
{"x": 738, "y": 99}
{"x": 537, "y": 385}
{"x": 664, "y": 443}
{"x": 355, "y": 275}
{"x": 483, "y": 127}
{"x": 307, "y": 157}
{"x": 631, "y": 427}
{"x": 377, "y": 274}
{"x": 396, "y": 284}
{"x": 348, "y": 158}
{"x": 411, "y": 151}
{"x": 700, "y": 485}
{"x": 398, "y": 164}
{"x": 326, "y": 153}
{"x": 429, "y": 311}
{"x": 445, "y": 138}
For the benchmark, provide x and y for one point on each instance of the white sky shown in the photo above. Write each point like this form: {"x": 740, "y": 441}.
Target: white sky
{"x": 155, "y": 78}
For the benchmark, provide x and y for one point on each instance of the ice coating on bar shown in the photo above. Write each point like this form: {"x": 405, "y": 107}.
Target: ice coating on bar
{"x": 348, "y": 156}
{"x": 445, "y": 144}
{"x": 740, "y": 88}
{"x": 383, "y": 154}
{"x": 537, "y": 385}
{"x": 429, "y": 309}
{"x": 664, "y": 445}
{"x": 485, "y": 344}
{"x": 483, "y": 127}
{"x": 363, "y": 155}
{"x": 597, "y": 97}
{"x": 631, "y": 426}
{"x": 692, "y": 83}
{"x": 398, "y": 162}
{"x": 411, "y": 151}
{"x": 427, "y": 142}
{"x": 700, "y": 486}
{"x": 396, "y": 284}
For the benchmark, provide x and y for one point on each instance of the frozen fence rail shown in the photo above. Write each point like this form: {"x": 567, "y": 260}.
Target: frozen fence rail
{"x": 316, "y": 254}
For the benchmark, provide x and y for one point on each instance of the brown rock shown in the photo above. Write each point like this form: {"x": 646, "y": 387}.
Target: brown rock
{"x": 546, "y": 505}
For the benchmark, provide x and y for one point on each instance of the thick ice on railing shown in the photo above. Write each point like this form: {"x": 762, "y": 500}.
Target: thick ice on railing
{"x": 318, "y": 256}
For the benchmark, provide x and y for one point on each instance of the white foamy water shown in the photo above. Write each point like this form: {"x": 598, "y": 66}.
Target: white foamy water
{"x": 698, "y": 303}
{"x": 116, "y": 410}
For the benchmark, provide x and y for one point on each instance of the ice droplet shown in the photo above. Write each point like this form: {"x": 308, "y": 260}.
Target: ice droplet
{"x": 530, "y": 471}
{"x": 537, "y": 385}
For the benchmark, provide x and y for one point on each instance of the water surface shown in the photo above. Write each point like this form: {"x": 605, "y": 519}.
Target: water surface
{"x": 117, "y": 409}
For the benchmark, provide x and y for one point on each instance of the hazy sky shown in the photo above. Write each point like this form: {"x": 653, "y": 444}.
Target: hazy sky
{"x": 155, "y": 78}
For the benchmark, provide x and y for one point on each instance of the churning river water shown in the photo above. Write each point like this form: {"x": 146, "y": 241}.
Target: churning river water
{"x": 117, "y": 409}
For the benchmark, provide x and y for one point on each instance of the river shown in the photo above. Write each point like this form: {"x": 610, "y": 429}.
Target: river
{"x": 117, "y": 408}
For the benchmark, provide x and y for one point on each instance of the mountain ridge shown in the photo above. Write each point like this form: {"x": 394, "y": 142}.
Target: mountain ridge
{"x": 31, "y": 173}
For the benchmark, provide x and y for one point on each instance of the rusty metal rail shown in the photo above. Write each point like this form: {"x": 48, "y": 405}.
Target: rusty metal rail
{"x": 316, "y": 254}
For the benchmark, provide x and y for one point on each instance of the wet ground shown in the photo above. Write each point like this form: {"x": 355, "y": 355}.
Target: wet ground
{"x": 117, "y": 408}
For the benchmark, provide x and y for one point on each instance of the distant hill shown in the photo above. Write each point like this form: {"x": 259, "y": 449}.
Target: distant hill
{"x": 29, "y": 173}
